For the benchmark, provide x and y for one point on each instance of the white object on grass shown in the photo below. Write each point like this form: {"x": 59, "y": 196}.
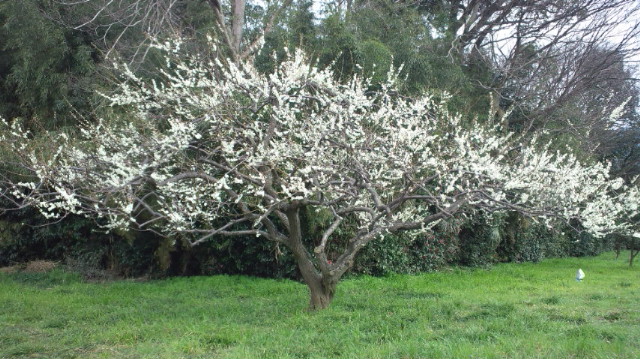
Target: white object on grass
{"x": 579, "y": 275}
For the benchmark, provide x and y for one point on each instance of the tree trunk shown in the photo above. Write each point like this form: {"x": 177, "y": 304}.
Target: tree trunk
{"x": 322, "y": 292}
{"x": 632, "y": 254}
{"x": 322, "y": 286}
{"x": 237, "y": 23}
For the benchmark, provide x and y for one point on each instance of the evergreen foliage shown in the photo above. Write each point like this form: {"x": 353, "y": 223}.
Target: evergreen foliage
{"x": 46, "y": 69}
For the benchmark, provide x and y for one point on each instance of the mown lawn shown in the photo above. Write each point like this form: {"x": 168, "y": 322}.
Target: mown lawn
{"x": 511, "y": 311}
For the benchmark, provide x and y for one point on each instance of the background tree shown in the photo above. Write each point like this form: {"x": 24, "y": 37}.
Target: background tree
{"x": 132, "y": 23}
{"x": 547, "y": 55}
{"x": 46, "y": 71}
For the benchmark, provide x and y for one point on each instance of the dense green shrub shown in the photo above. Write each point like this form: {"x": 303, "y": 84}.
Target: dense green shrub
{"x": 125, "y": 255}
{"x": 405, "y": 253}
{"x": 26, "y": 236}
{"x": 385, "y": 256}
{"x": 522, "y": 240}
{"x": 584, "y": 244}
{"x": 479, "y": 239}
{"x": 238, "y": 255}
{"x": 97, "y": 255}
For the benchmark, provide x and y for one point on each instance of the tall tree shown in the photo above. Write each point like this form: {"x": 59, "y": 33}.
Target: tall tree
{"x": 545, "y": 54}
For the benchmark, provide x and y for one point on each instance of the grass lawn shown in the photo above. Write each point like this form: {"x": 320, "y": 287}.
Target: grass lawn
{"x": 511, "y": 311}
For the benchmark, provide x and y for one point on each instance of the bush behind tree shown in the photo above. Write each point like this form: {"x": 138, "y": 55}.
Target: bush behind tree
{"x": 97, "y": 255}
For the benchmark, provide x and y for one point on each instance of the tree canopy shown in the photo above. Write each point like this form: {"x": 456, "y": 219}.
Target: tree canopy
{"x": 212, "y": 148}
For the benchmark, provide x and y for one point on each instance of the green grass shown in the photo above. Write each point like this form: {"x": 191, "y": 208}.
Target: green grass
{"x": 511, "y": 311}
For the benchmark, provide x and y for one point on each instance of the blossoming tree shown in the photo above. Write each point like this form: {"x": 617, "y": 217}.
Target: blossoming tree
{"x": 218, "y": 149}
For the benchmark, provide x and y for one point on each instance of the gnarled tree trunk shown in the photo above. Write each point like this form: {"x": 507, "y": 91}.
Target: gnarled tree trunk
{"x": 322, "y": 286}
{"x": 322, "y": 292}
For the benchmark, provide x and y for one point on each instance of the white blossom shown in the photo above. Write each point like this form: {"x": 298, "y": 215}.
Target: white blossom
{"x": 211, "y": 145}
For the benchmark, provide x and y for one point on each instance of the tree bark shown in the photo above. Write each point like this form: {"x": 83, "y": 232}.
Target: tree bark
{"x": 237, "y": 23}
{"x": 632, "y": 254}
{"x": 322, "y": 292}
{"x": 322, "y": 286}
